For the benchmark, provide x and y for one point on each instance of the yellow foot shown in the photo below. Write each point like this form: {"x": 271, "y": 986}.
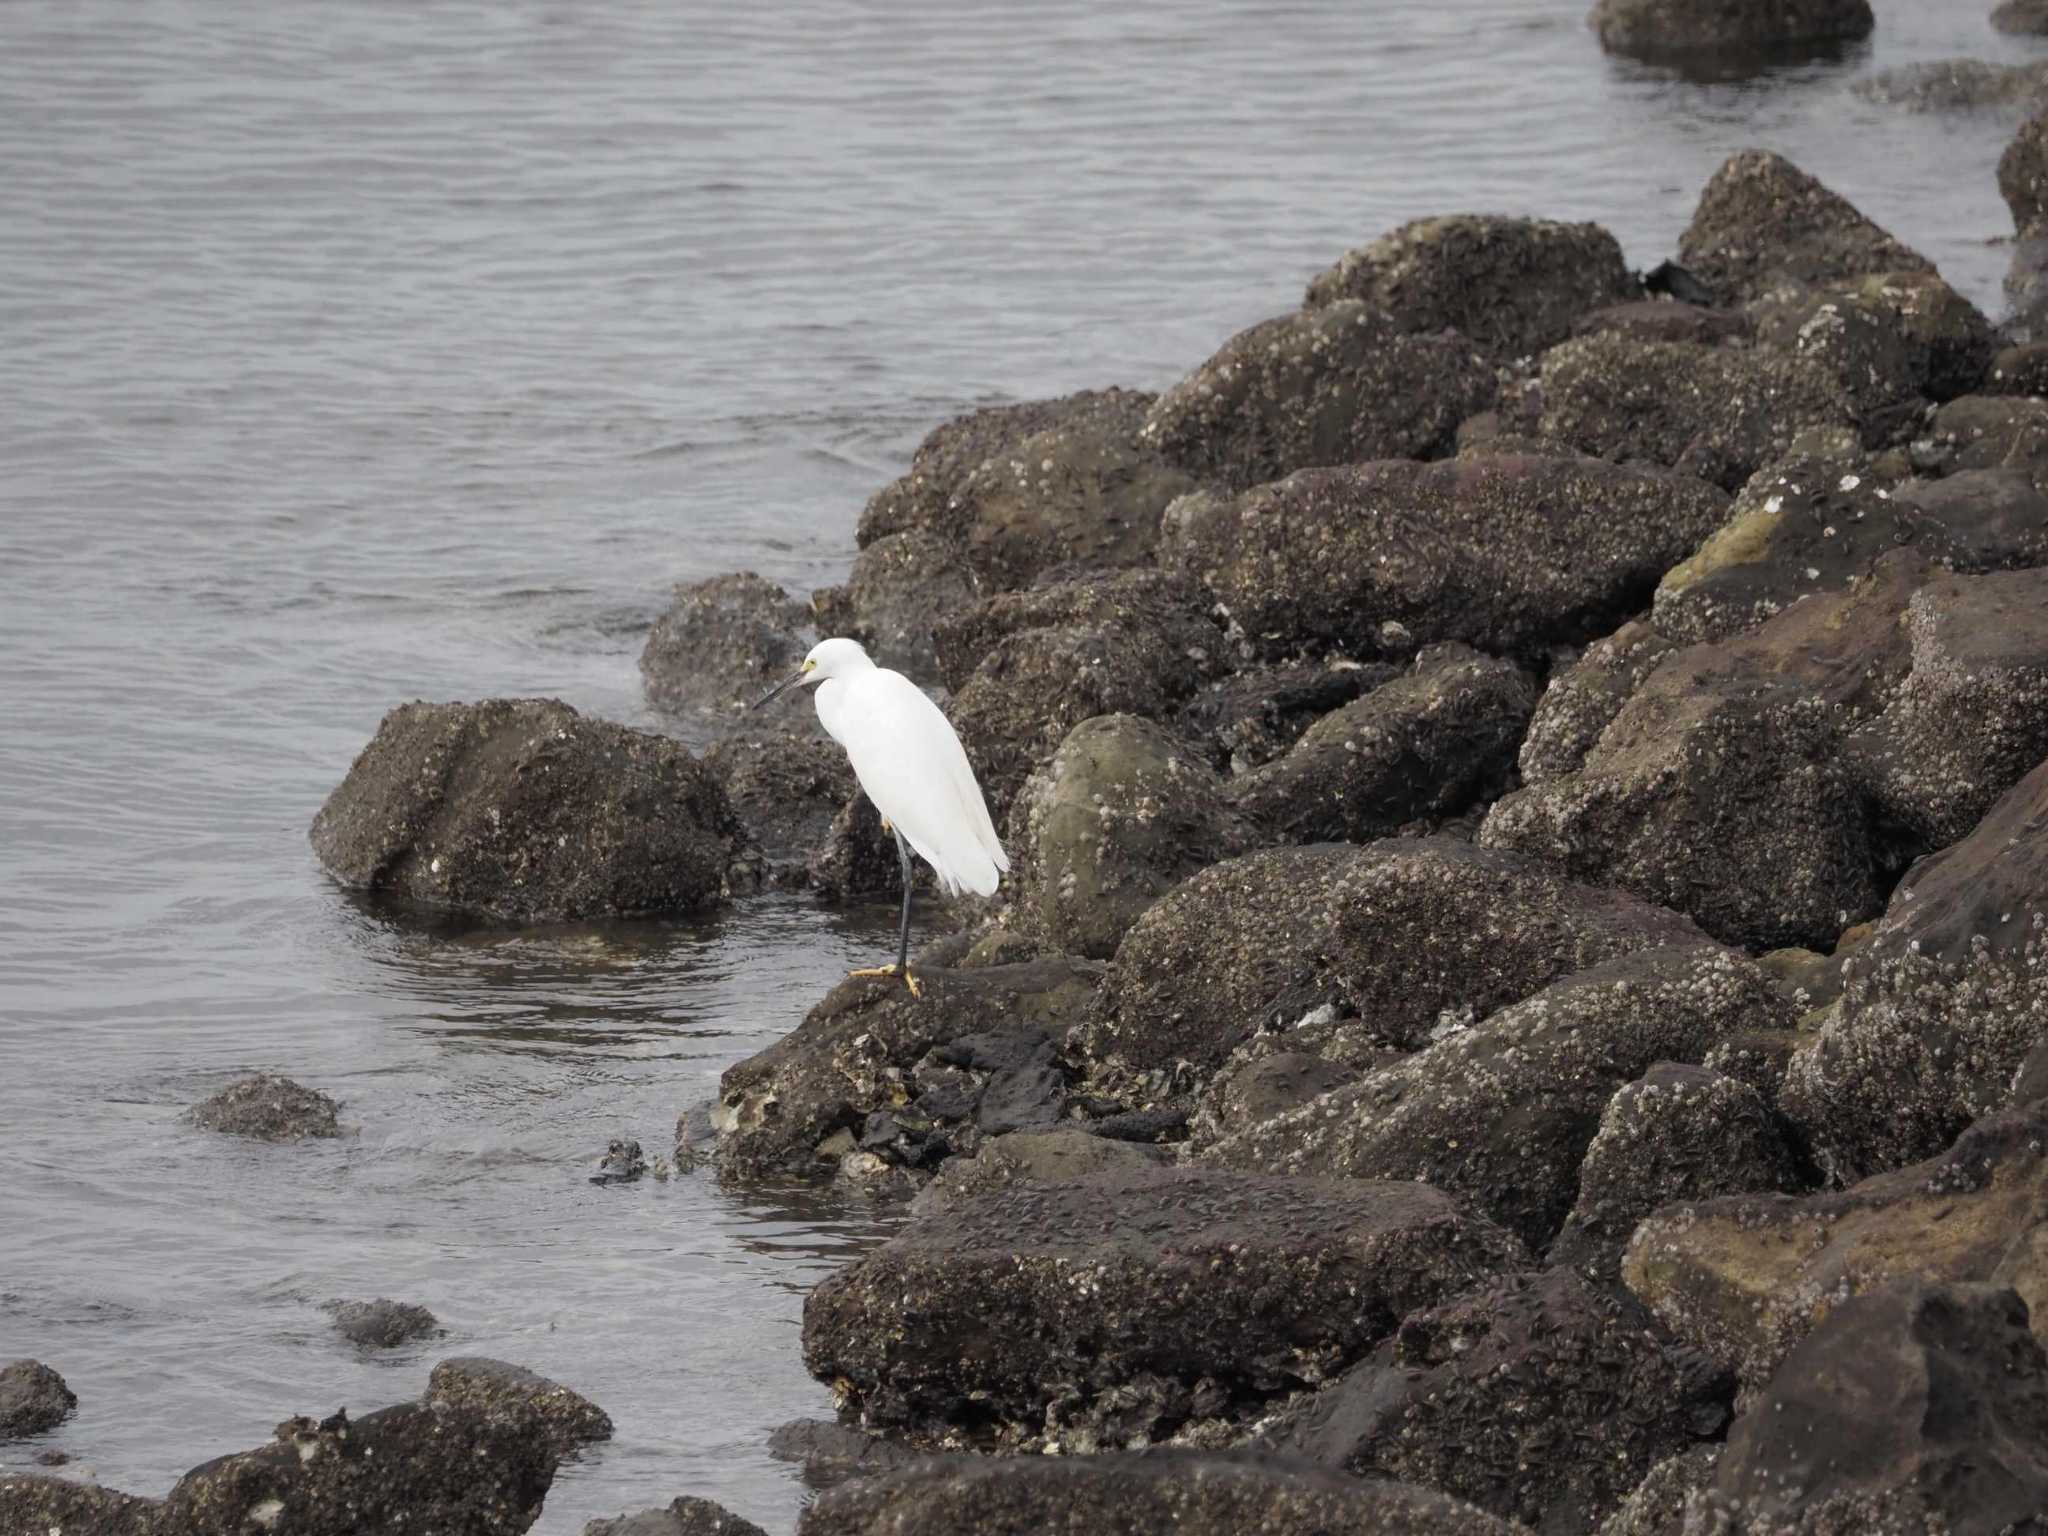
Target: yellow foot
{"x": 910, "y": 981}
{"x": 886, "y": 828}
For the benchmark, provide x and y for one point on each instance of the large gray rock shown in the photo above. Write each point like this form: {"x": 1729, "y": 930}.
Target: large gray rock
{"x": 785, "y": 786}
{"x": 2023, "y": 174}
{"x": 1514, "y": 286}
{"x": 1333, "y": 385}
{"x": 525, "y": 809}
{"x": 1509, "y": 553}
{"x": 900, "y": 589}
{"x": 266, "y": 1107}
{"x": 1120, "y": 1307}
{"x": 564, "y": 1416}
{"x": 723, "y": 643}
{"x": 1664, "y": 29}
{"x": 1158, "y": 1493}
{"x": 35, "y": 1505}
{"x": 33, "y": 1398}
{"x": 1251, "y": 717}
{"x": 1500, "y": 1395}
{"x": 1949, "y": 85}
{"x": 1171, "y": 609}
{"x": 382, "y": 1323}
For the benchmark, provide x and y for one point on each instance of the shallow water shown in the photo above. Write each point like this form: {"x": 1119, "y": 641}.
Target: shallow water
{"x": 357, "y": 353}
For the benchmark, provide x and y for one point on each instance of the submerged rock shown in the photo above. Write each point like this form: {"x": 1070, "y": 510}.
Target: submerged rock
{"x": 267, "y": 1107}
{"x": 1491, "y": 1396}
{"x": 622, "y": 1163}
{"x": 525, "y": 809}
{"x": 1213, "y": 1293}
{"x": 1151, "y": 1494}
{"x": 383, "y": 1323}
{"x": 1954, "y": 84}
{"x": 722, "y": 644}
{"x": 1657, "y": 29}
{"x": 36, "y": 1505}
{"x": 33, "y": 1398}
{"x": 565, "y": 1417}
{"x": 1334, "y": 385}
{"x": 685, "y": 1516}
{"x": 831, "y": 1453}
{"x": 1514, "y": 286}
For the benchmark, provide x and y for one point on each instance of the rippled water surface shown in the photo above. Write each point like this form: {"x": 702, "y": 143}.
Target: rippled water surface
{"x": 353, "y": 353}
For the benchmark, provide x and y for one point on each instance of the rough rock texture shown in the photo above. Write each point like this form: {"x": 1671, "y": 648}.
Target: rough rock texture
{"x": 2023, "y": 174}
{"x": 1744, "y": 1278}
{"x": 383, "y": 1323}
{"x": 1921, "y": 1408}
{"x": 1264, "y": 1079}
{"x": 1501, "y": 1396}
{"x": 1657, "y": 1507}
{"x": 831, "y": 1453}
{"x": 1713, "y": 412}
{"x": 856, "y": 859}
{"x": 1149, "y": 1494}
{"x": 685, "y": 1516}
{"x": 1251, "y": 717}
{"x": 1582, "y": 700}
{"x": 1956, "y": 84}
{"x": 1892, "y": 340}
{"x": 36, "y": 1505}
{"x": 1941, "y": 1007}
{"x": 418, "y": 1466}
{"x": 1514, "y": 286}
{"x": 33, "y": 1398}
{"x": 2027, "y": 18}
{"x": 899, "y": 590}
{"x": 1676, "y": 1133}
{"x": 722, "y": 644}
{"x": 1762, "y": 223}
{"x": 1132, "y": 1303}
{"x": 1170, "y": 612}
{"x": 908, "y": 1079}
{"x": 1509, "y": 553}
{"x": 1333, "y": 385}
{"x": 565, "y": 1418}
{"x": 2018, "y": 370}
{"x": 1122, "y": 814}
{"x": 1501, "y": 1112}
{"x": 1657, "y": 29}
{"x": 1032, "y": 1157}
{"x": 1428, "y": 744}
{"x": 1987, "y": 432}
{"x": 1668, "y": 320}
{"x": 784, "y": 786}
{"x": 269, "y": 1108}
{"x": 524, "y": 809}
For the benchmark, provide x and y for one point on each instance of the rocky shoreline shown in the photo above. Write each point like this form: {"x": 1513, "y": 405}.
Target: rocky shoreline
{"x": 1522, "y": 1000}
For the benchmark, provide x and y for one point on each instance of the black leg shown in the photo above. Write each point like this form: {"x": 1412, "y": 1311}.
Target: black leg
{"x": 909, "y": 875}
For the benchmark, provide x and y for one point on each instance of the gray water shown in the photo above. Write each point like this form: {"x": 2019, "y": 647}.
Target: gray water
{"x": 352, "y": 353}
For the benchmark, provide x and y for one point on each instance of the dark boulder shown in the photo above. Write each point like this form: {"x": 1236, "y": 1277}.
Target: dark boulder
{"x": 623, "y": 1163}
{"x": 1121, "y": 1307}
{"x": 1987, "y": 432}
{"x": 2021, "y": 369}
{"x": 1510, "y": 553}
{"x": 1501, "y": 1112}
{"x": 1156, "y": 1493}
{"x": 524, "y": 809}
{"x": 383, "y": 1323}
{"x": 1264, "y": 1079}
{"x": 1333, "y": 385}
{"x": 1051, "y": 1156}
{"x": 1948, "y": 85}
{"x": 831, "y": 1453}
{"x": 685, "y": 1516}
{"x": 1170, "y": 611}
{"x": 1427, "y": 745}
{"x": 1251, "y": 717}
{"x": 1762, "y": 223}
{"x": 723, "y": 643}
{"x": 2023, "y": 174}
{"x": 856, "y": 859}
{"x": 33, "y": 1398}
{"x": 1513, "y": 286}
{"x": 1920, "y": 1408}
{"x": 562, "y": 1416}
{"x": 34, "y": 1505}
{"x": 269, "y": 1108}
{"x": 2026, "y": 18}
{"x": 1657, "y": 1507}
{"x": 1668, "y": 320}
{"x": 1676, "y": 1133}
{"x": 785, "y": 787}
{"x": 1583, "y": 698}
{"x": 899, "y": 590}
{"x": 1500, "y": 1395}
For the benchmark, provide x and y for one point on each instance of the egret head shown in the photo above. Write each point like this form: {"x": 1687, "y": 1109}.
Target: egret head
{"x": 828, "y": 659}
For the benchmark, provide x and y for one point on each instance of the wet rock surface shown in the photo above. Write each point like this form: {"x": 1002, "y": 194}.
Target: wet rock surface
{"x": 563, "y": 1416}
{"x": 900, "y": 588}
{"x": 1508, "y": 553}
{"x": 784, "y": 786}
{"x": 1169, "y": 612}
{"x": 266, "y": 1107}
{"x": 722, "y": 644}
{"x": 33, "y": 1398}
{"x": 1334, "y": 385}
{"x": 32, "y": 1503}
{"x": 1033, "y": 1157}
{"x": 1668, "y": 320}
{"x": 1137, "y": 1495}
{"x": 1476, "y": 1396}
{"x": 1916, "y": 1408}
{"x": 1253, "y": 716}
{"x": 1657, "y": 1507}
{"x": 1956, "y": 84}
{"x": 382, "y": 1323}
{"x": 1513, "y": 286}
{"x": 1662, "y": 29}
{"x": 831, "y": 1453}
{"x": 1582, "y": 700}
{"x": 685, "y": 1516}
{"x": 1159, "y": 1297}
{"x": 2023, "y": 174}
{"x": 524, "y": 809}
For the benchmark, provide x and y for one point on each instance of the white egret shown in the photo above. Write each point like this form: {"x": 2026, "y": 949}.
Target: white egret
{"x": 912, "y": 766}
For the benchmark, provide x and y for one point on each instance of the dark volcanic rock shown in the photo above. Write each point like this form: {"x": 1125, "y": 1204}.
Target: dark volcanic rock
{"x": 1254, "y": 716}
{"x": 785, "y": 787}
{"x": 900, "y": 588}
{"x": 2023, "y": 174}
{"x": 1941, "y": 1007}
{"x": 857, "y": 859}
{"x": 268, "y": 1108}
{"x": 565, "y": 1418}
{"x": 33, "y": 1398}
{"x": 1668, "y": 320}
{"x": 1155, "y": 1493}
{"x": 1660, "y": 29}
{"x": 685, "y": 1516}
{"x": 1499, "y": 1396}
{"x": 723, "y": 643}
{"x": 524, "y": 809}
{"x": 832, "y": 1453}
{"x": 1676, "y": 1133}
{"x": 1501, "y": 1112}
{"x": 806, "y": 1102}
{"x": 1714, "y": 412}
{"x": 1263, "y": 1080}
{"x": 1657, "y": 1507}
{"x": 1921, "y": 1408}
{"x": 622, "y": 1163}
{"x": 1032, "y": 1157}
{"x": 1429, "y": 744}
{"x": 383, "y": 1323}
{"x": 35, "y": 1505}
{"x": 416, "y": 1467}
{"x": 1514, "y": 286}
{"x": 2019, "y": 370}
{"x": 1333, "y": 385}
{"x": 1122, "y": 814}
{"x": 1510, "y": 553}
{"x": 1988, "y": 432}
{"x": 1762, "y": 222}
{"x": 1136, "y": 1301}
{"x": 1744, "y": 1278}
{"x": 1582, "y": 700}
{"x": 1169, "y": 611}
